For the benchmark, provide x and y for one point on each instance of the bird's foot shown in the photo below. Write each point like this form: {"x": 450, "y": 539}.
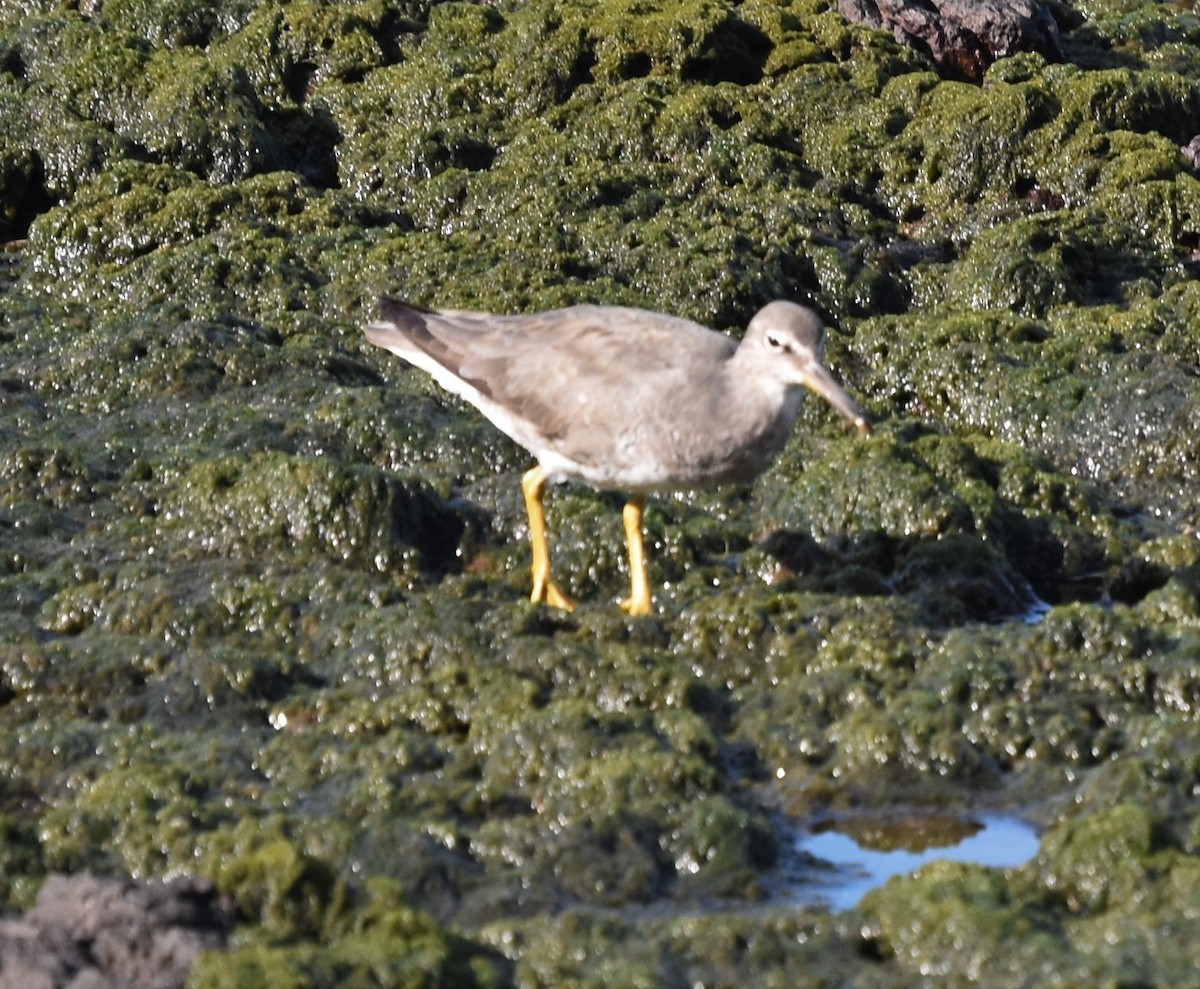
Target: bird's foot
{"x": 548, "y": 592}
{"x": 637, "y": 604}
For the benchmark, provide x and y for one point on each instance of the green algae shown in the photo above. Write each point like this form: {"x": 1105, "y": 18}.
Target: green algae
{"x": 244, "y": 507}
{"x": 178, "y": 22}
{"x": 577, "y": 949}
{"x": 262, "y": 589}
{"x": 383, "y": 943}
{"x": 970, "y": 922}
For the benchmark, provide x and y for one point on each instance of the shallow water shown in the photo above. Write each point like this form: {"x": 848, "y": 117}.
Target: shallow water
{"x": 855, "y": 870}
{"x": 1036, "y": 611}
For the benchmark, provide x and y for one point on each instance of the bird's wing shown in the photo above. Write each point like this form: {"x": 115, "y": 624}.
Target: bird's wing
{"x": 559, "y": 373}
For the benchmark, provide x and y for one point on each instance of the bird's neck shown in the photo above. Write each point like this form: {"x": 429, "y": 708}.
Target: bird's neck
{"x": 754, "y": 422}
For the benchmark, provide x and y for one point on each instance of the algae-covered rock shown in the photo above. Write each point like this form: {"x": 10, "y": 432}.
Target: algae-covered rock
{"x": 384, "y": 943}
{"x": 967, "y": 922}
{"x": 263, "y": 589}
{"x": 363, "y": 517}
{"x": 965, "y": 926}
{"x": 1071, "y": 858}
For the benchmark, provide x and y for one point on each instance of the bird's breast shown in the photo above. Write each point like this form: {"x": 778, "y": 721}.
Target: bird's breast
{"x": 703, "y": 450}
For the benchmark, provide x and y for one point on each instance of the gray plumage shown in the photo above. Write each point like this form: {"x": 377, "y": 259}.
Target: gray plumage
{"x": 625, "y": 398}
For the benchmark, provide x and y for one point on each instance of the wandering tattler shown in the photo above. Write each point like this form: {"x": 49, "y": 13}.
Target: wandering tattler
{"x": 623, "y": 399}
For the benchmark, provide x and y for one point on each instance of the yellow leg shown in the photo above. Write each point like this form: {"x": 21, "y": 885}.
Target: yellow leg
{"x": 545, "y": 591}
{"x": 638, "y": 602}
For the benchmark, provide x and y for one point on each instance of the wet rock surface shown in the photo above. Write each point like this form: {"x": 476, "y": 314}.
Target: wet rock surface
{"x": 263, "y": 590}
{"x": 87, "y": 931}
{"x": 963, "y": 37}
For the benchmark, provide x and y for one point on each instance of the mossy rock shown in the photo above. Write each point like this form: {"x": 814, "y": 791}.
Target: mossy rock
{"x": 236, "y": 630}
{"x": 360, "y": 516}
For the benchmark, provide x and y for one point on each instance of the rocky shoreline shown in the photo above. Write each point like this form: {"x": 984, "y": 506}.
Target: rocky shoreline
{"x": 262, "y": 591}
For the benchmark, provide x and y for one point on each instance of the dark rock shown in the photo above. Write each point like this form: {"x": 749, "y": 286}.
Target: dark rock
{"x": 963, "y": 37}
{"x": 111, "y": 934}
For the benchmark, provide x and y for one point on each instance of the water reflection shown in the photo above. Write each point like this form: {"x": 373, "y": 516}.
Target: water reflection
{"x": 1038, "y": 610}
{"x": 1001, "y": 842}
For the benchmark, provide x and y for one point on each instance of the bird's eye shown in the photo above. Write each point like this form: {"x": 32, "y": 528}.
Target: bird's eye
{"x": 773, "y": 342}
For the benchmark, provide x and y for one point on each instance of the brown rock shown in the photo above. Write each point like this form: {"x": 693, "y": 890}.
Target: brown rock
{"x": 963, "y": 37}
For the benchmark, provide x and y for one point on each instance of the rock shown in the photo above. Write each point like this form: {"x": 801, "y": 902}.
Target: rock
{"x": 963, "y": 37}
{"x": 1191, "y": 151}
{"x": 85, "y": 931}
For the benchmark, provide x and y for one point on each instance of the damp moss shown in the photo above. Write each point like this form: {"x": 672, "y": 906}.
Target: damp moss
{"x": 362, "y": 517}
{"x": 1122, "y": 836}
{"x": 178, "y": 23}
{"x": 1074, "y": 410}
{"x": 167, "y": 239}
{"x": 263, "y": 588}
{"x": 383, "y": 943}
{"x": 976, "y": 924}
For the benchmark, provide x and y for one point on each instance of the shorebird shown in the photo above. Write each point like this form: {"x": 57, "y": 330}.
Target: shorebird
{"x": 623, "y": 399}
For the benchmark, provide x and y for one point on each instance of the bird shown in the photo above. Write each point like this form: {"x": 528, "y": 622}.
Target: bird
{"x": 624, "y": 399}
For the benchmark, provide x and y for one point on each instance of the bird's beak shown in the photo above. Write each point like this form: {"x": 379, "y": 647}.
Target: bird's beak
{"x": 819, "y": 380}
